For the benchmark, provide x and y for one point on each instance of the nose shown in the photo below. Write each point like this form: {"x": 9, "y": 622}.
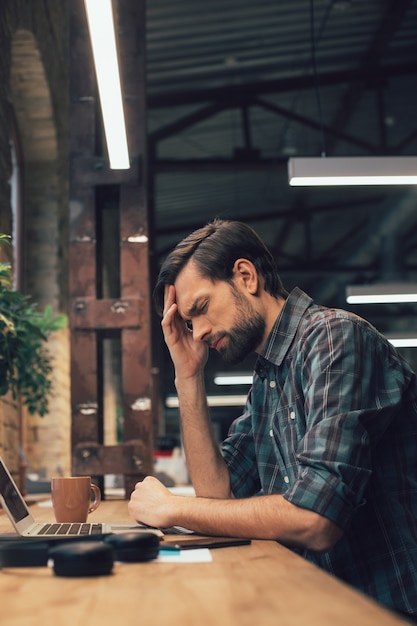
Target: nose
{"x": 201, "y": 329}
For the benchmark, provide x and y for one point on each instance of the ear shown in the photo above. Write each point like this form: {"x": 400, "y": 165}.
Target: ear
{"x": 245, "y": 274}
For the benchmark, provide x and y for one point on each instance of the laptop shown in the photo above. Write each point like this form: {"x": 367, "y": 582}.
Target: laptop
{"x": 26, "y": 526}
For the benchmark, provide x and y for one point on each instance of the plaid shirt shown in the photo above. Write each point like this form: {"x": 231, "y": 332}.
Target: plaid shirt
{"x": 331, "y": 423}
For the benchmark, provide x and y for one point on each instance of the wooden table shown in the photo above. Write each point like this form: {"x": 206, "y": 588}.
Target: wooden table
{"x": 256, "y": 585}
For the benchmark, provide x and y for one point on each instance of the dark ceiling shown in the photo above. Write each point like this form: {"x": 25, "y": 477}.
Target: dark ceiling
{"x": 236, "y": 87}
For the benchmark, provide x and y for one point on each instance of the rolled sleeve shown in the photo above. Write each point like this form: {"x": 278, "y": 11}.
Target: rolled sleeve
{"x": 325, "y": 494}
{"x": 354, "y": 390}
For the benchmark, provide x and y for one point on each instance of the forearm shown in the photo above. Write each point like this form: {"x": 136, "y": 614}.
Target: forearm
{"x": 263, "y": 517}
{"x": 207, "y": 469}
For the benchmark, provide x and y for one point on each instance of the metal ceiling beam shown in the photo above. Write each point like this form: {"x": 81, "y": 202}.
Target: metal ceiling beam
{"x": 245, "y": 91}
{"x": 370, "y": 71}
{"x": 306, "y": 121}
{"x": 275, "y": 215}
{"x": 216, "y": 107}
{"x": 186, "y": 121}
{"x": 371, "y": 62}
{"x": 393, "y": 218}
{"x": 240, "y": 162}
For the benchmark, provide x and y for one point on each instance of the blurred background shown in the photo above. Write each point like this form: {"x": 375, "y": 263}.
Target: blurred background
{"x": 218, "y": 96}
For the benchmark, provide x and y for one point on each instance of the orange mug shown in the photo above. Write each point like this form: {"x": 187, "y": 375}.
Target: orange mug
{"x": 73, "y": 498}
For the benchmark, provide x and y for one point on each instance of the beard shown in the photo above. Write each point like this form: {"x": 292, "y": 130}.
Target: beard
{"x": 247, "y": 333}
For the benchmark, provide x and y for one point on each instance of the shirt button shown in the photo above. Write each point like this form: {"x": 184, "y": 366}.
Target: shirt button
{"x": 292, "y": 415}
{"x": 272, "y": 383}
{"x": 286, "y": 479}
{"x": 271, "y": 433}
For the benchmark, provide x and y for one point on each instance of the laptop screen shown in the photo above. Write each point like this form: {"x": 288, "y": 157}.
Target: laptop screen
{"x": 12, "y": 498}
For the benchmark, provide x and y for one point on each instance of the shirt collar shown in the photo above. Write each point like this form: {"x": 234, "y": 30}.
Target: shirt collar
{"x": 285, "y": 327}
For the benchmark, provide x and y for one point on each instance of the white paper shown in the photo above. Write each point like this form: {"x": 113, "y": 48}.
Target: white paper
{"x": 197, "y": 555}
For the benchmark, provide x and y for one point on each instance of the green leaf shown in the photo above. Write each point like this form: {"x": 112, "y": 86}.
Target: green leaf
{"x": 25, "y": 366}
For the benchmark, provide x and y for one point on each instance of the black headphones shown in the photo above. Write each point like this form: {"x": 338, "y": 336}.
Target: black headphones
{"x": 80, "y": 557}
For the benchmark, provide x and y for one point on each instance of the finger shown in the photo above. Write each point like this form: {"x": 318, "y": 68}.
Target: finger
{"x": 169, "y": 321}
{"x": 171, "y": 317}
{"x": 169, "y": 297}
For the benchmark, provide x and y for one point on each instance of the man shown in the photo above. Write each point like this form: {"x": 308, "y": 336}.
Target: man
{"x": 324, "y": 457}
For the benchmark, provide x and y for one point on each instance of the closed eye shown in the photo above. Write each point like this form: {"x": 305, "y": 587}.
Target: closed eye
{"x": 194, "y": 311}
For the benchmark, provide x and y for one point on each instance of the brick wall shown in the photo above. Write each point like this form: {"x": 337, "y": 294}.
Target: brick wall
{"x": 34, "y": 92}
{"x": 47, "y": 438}
{"x": 5, "y": 111}
{"x": 9, "y": 433}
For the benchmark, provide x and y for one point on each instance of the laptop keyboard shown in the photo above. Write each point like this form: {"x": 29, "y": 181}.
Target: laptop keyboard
{"x": 70, "y": 529}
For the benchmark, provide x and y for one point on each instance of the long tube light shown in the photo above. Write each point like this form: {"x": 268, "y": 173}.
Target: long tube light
{"x": 172, "y": 402}
{"x": 403, "y": 340}
{"x": 103, "y": 42}
{"x": 233, "y": 379}
{"x": 325, "y": 171}
{"x": 382, "y": 293}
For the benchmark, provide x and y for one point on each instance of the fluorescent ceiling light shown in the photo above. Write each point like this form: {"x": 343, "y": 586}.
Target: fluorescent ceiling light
{"x": 171, "y": 402}
{"x": 233, "y": 379}
{"x": 322, "y": 171}
{"x": 403, "y": 341}
{"x": 103, "y": 42}
{"x": 382, "y": 293}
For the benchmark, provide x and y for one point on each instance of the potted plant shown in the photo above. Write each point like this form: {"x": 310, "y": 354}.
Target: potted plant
{"x": 25, "y": 363}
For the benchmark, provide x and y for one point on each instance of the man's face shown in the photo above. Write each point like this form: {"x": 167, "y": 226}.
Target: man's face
{"x": 220, "y": 314}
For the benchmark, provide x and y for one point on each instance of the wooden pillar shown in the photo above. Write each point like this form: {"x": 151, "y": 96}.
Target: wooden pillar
{"x": 93, "y": 314}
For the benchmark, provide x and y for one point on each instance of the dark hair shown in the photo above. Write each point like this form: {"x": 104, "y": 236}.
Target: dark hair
{"x": 215, "y": 248}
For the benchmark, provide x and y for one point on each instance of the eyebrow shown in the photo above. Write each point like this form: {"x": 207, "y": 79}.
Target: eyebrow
{"x": 192, "y": 310}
